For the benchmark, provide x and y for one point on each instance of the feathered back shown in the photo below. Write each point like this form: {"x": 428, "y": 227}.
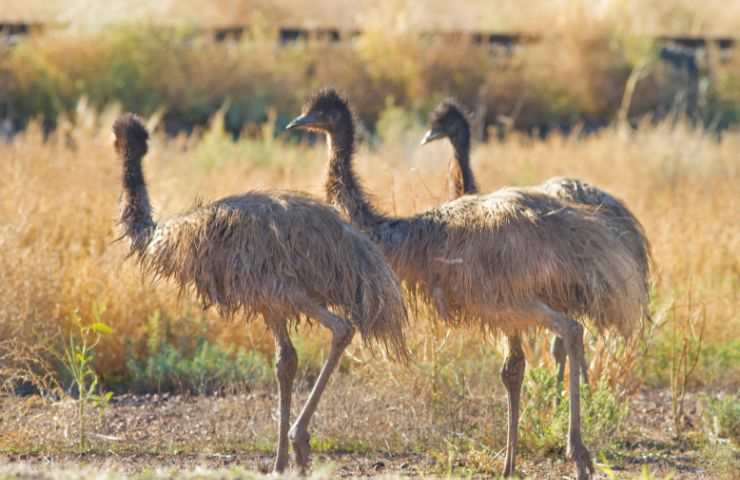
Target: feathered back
{"x": 487, "y": 257}
{"x": 620, "y": 219}
{"x": 482, "y": 259}
{"x": 269, "y": 251}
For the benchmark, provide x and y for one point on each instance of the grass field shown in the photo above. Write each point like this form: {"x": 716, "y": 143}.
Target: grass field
{"x": 442, "y": 415}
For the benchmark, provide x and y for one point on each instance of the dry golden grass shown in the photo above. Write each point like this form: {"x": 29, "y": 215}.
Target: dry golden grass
{"x": 58, "y": 202}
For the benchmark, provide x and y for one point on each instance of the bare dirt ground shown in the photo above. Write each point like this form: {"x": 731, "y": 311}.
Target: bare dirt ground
{"x": 143, "y": 433}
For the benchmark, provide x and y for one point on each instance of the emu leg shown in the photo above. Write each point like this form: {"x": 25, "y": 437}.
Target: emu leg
{"x": 512, "y": 374}
{"x": 342, "y": 333}
{"x": 286, "y": 364}
{"x": 584, "y": 363}
{"x": 572, "y": 334}
{"x": 557, "y": 348}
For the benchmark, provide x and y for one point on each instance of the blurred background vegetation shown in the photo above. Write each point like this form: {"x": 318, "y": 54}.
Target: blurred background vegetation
{"x": 185, "y": 61}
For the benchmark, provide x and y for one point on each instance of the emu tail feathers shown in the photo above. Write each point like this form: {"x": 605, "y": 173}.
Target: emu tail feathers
{"x": 375, "y": 300}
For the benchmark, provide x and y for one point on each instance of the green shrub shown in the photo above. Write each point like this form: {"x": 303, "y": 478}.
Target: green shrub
{"x": 194, "y": 365}
{"x": 722, "y": 417}
{"x": 396, "y": 124}
{"x": 208, "y": 368}
{"x": 544, "y": 421}
{"x": 41, "y": 88}
{"x": 717, "y": 362}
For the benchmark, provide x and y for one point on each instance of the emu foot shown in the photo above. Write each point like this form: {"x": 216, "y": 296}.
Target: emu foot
{"x": 301, "y": 448}
{"x": 584, "y": 466}
{"x": 281, "y": 462}
{"x": 508, "y": 470}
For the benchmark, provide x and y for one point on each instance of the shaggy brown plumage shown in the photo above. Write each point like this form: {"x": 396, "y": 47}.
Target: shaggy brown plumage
{"x": 267, "y": 251}
{"x": 497, "y": 252}
{"x": 278, "y": 254}
{"x": 513, "y": 245}
{"x": 510, "y": 260}
{"x": 623, "y": 223}
{"x": 451, "y": 120}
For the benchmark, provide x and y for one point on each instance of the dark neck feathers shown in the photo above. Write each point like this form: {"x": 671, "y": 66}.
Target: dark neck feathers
{"x": 461, "y": 180}
{"x": 136, "y": 212}
{"x": 343, "y": 189}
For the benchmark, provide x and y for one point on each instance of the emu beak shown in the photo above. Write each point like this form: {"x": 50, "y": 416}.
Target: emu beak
{"x": 430, "y": 136}
{"x": 302, "y": 121}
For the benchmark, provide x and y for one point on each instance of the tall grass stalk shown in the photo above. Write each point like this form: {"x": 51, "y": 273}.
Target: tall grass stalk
{"x": 687, "y": 336}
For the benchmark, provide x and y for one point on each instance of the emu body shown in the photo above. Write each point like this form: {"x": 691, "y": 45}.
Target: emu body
{"x": 279, "y": 255}
{"x": 623, "y": 223}
{"x": 450, "y": 120}
{"x": 508, "y": 261}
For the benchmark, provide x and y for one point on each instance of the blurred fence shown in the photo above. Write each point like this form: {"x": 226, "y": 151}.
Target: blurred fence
{"x": 496, "y": 42}
{"x": 686, "y": 59}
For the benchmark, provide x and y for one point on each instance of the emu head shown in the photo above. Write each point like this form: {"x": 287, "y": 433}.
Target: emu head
{"x": 131, "y": 136}
{"x": 325, "y": 112}
{"x": 448, "y": 120}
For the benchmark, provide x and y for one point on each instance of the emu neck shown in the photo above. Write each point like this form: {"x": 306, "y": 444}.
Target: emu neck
{"x": 343, "y": 188}
{"x": 136, "y": 216}
{"x": 460, "y": 177}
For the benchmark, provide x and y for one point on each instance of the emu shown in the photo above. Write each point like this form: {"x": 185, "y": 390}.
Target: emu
{"x": 452, "y": 121}
{"x": 280, "y": 255}
{"x": 508, "y": 261}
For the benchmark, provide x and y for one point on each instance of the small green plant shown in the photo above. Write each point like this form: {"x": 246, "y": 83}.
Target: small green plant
{"x": 542, "y": 424}
{"x": 645, "y": 474}
{"x": 722, "y": 417}
{"x": 194, "y": 364}
{"x": 206, "y": 369}
{"x": 544, "y": 421}
{"x": 79, "y": 354}
{"x": 396, "y": 123}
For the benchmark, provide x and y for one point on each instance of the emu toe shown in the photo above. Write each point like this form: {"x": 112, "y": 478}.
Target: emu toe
{"x": 281, "y": 463}
{"x": 584, "y": 465}
{"x": 301, "y": 448}
{"x": 509, "y": 470}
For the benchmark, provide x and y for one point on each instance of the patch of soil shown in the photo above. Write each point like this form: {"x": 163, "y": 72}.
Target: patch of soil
{"x": 137, "y": 433}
